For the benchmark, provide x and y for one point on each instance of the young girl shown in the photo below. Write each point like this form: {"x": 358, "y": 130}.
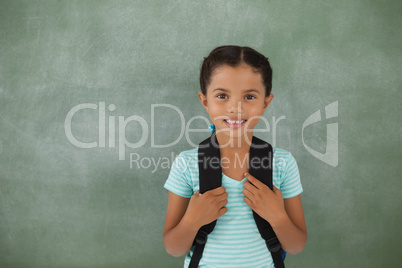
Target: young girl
{"x": 235, "y": 91}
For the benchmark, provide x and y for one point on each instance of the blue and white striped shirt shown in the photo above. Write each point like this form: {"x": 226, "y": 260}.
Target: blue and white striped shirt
{"x": 235, "y": 240}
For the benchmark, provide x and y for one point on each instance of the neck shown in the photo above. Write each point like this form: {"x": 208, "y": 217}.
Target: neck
{"x": 231, "y": 145}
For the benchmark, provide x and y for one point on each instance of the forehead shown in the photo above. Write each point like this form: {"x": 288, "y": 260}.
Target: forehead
{"x": 241, "y": 77}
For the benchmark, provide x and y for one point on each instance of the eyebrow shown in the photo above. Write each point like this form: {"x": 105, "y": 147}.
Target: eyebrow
{"x": 245, "y": 91}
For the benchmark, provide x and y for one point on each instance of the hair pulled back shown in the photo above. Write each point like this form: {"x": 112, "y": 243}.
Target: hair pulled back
{"x": 234, "y": 56}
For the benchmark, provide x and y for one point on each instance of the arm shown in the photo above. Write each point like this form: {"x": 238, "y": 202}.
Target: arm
{"x": 178, "y": 235}
{"x": 291, "y": 230}
{"x": 285, "y": 216}
{"x": 185, "y": 216}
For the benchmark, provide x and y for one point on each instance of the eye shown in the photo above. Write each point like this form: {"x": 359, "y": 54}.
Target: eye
{"x": 222, "y": 96}
{"x": 249, "y": 97}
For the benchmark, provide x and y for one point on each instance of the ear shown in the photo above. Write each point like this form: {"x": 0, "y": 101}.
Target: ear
{"x": 267, "y": 101}
{"x": 203, "y": 100}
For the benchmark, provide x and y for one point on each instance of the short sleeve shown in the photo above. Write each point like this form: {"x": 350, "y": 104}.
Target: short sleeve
{"x": 179, "y": 180}
{"x": 291, "y": 184}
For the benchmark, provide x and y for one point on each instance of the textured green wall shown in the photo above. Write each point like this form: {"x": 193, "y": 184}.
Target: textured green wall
{"x": 65, "y": 206}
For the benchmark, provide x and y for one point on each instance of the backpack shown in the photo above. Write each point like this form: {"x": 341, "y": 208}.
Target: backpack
{"x": 211, "y": 177}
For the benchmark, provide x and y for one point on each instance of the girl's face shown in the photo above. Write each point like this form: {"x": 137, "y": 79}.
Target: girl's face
{"x": 235, "y": 100}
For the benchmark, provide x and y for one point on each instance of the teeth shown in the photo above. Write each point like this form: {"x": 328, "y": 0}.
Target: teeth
{"x": 234, "y": 121}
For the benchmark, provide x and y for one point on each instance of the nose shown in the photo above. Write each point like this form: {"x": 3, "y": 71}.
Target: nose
{"x": 235, "y": 107}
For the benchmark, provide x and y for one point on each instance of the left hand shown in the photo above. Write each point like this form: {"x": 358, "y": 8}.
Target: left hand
{"x": 265, "y": 202}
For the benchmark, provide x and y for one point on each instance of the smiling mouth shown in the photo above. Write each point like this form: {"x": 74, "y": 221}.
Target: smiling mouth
{"x": 234, "y": 123}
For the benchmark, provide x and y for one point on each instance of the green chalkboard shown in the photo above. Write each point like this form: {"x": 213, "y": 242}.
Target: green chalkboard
{"x": 98, "y": 97}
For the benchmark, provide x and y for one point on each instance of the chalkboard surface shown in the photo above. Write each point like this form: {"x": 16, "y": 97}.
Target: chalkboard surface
{"x": 98, "y": 97}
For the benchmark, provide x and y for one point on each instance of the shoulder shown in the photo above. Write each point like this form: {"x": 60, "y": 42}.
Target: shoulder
{"x": 286, "y": 176}
{"x": 191, "y": 153}
{"x": 282, "y": 157}
{"x": 183, "y": 173}
{"x": 279, "y": 152}
{"x": 187, "y": 158}
{"x": 186, "y": 164}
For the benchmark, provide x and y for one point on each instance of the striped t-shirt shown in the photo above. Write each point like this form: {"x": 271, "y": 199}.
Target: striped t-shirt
{"x": 235, "y": 240}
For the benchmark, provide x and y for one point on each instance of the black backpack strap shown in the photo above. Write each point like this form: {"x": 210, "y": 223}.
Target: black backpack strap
{"x": 209, "y": 166}
{"x": 210, "y": 177}
{"x": 261, "y": 168}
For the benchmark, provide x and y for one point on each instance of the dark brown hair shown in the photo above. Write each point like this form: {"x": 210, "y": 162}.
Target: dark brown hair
{"x": 234, "y": 56}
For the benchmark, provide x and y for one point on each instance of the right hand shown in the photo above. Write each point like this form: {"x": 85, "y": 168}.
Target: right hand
{"x": 207, "y": 207}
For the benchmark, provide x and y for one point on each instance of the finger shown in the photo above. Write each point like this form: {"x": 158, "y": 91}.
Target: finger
{"x": 254, "y": 181}
{"x": 248, "y": 194}
{"x": 222, "y": 211}
{"x": 218, "y": 191}
{"x": 223, "y": 196}
{"x": 249, "y": 203}
{"x": 249, "y": 186}
{"x": 276, "y": 190}
{"x": 222, "y": 203}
